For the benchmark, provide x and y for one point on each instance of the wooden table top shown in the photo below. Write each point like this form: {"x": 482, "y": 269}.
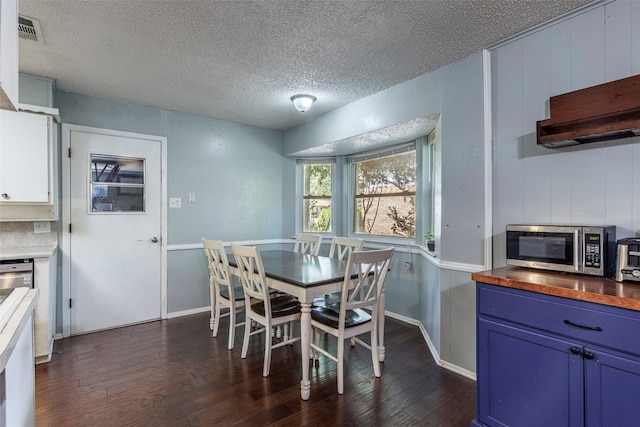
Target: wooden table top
{"x": 300, "y": 270}
{"x": 575, "y": 286}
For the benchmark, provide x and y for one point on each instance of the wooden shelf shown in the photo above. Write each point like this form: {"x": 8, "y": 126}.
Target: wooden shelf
{"x": 600, "y": 113}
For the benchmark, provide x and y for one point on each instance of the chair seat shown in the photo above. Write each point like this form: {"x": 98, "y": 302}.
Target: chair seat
{"x": 330, "y": 316}
{"x": 238, "y": 293}
{"x": 327, "y": 300}
{"x": 284, "y": 305}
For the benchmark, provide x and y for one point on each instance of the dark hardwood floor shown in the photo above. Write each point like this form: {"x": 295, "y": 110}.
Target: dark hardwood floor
{"x": 173, "y": 373}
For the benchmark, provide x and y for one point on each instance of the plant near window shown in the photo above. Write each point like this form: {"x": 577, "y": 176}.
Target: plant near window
{"x": 431, "y": 241}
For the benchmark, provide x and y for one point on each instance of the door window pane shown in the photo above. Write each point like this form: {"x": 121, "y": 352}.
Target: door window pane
{"x": 117, "y": 184}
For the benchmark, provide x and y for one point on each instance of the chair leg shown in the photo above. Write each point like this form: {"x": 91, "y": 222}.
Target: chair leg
{"x": 267, "y": 355}
{"x": 285, "y": 328}
{"x": 232, "y": 327}
{"x": 216, "y": 320}
{"x": 374, "y": 352}
{"x": 245, "y": 341}
{"x": 340, "y": 366}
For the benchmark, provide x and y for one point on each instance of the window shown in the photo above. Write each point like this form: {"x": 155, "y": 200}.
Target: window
{"x": 385, "y": 192}
{"x": 317, "y": 182}
{"x": 117, "y": 184}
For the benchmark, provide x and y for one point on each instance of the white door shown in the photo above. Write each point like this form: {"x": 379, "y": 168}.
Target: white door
{"x": 115, "y": 216}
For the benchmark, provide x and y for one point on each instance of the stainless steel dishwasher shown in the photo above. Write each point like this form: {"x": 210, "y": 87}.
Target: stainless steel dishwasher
{"x": 16, "y": 273}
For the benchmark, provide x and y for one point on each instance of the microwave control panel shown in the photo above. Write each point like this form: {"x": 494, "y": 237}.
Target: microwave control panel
{"x": 592, "y": 255}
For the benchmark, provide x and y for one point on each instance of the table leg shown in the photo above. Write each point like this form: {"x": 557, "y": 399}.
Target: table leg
{"x": 305, "y": 340}
{"x": 381, "y": 349}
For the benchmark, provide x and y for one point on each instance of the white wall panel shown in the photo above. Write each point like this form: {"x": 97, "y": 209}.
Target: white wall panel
{"x": 559, "y": 59}
{"x": 619, "y": 187}
{"x": 535, "y": 81}
{"x": 587, "y": 175}
{"x": 635, "y": 187}
{"x": 561, "y": 187}
{"x": 635, "y": 36}
{"x": 506, "y": 69}
{"x": 592, "y": 184}
{"x": 587, "y": 49}
{"x": 618, "y": 40}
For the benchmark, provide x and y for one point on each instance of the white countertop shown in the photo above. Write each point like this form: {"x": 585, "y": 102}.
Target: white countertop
{"x": 27, "y": 252}
{"x": 20, "y": 311}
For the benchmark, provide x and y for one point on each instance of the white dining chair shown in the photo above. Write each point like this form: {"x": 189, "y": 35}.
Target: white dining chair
{"x": 262, "y": 308}
{"x": 307, "y": 243}
{"x": 341, "y": 247}
{"x": 221, "y": 288}
{"x": 358, "y": 309}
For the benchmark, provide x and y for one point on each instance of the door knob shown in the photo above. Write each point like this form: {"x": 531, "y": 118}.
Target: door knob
{"x": 154, "y": 239}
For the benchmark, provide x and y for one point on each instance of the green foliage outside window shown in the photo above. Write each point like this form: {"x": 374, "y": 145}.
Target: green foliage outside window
{"x": 317, "y": 197}
{"x": 385, "y": 195}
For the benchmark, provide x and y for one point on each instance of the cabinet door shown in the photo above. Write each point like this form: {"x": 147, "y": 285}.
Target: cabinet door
{"x": 24, "y": 158}
{"x": 612, "y": 389}
{"x": 527, "y": 379}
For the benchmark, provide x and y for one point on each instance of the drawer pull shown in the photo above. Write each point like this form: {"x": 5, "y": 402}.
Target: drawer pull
{"x": 590, "y": 328}
{"x": 575, "y": 350}
{"x": 588, "y": 355}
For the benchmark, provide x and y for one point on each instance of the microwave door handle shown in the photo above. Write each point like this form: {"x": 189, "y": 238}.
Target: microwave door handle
{"x": 576, "y": 249}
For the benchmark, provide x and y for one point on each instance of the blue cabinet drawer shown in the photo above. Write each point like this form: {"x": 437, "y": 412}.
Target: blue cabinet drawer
{"x": 602, "y": 325}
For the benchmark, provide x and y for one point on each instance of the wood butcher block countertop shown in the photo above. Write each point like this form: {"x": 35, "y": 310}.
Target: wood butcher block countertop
{"x": 575, "y": 286}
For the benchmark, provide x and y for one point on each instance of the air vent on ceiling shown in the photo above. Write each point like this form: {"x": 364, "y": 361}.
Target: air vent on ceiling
{"x": 29, "y": 29}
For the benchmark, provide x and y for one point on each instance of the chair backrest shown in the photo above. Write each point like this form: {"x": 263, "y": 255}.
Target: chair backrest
{"x": 308, "y": 244}
{"x": 342, "y": 246}
{"x": 251, "y": 272}
{"x": 364, "y": 291}
{"x": 219, "y": 270}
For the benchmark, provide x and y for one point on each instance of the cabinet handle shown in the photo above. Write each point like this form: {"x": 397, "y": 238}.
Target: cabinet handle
{"x": 588, "y": 355}
{"x": 575, "y": 350}
{"x": 5, "y": 196}
{"x": 590, "y": 328}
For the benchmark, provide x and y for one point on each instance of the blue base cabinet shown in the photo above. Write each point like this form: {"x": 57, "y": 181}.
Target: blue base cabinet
{"x": 551, "y": 361}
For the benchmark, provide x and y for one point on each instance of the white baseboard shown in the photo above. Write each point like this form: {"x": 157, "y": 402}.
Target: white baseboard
{"x": 432, "y": 348}
{"x": 458, "y": 370}
{"x": 188, "y": 312}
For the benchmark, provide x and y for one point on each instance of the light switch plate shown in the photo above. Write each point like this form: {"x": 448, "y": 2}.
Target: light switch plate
{"x": 41, "y": 227}
{"x": 175, "y": 202}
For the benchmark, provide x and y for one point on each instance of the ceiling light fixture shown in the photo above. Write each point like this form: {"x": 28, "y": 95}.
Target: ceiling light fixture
{"x": 303, "y": 102}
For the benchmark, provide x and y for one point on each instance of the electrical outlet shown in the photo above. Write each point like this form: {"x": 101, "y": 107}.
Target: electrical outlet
{"x": 175, "y": 202}
{"x": 41, "y": 227}
{"x": 192, "y": 197}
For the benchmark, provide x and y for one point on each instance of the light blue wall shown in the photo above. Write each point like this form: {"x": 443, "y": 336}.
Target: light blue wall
{"x": 457, "y": 93}
{"x": 597, "y": 183}
{"x": 236, "y": 171}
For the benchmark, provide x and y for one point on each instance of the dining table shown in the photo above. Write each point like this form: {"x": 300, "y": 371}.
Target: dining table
{"x": 307, "y": 277}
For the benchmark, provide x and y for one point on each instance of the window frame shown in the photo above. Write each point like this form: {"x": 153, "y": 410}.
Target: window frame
{"x": 388, "y": 151}
{"x": 300, "y": 196}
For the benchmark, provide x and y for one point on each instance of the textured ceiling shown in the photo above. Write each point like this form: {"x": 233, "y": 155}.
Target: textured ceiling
{"x": 242, "y": 60}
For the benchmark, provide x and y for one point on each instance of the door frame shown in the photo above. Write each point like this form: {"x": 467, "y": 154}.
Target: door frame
{"x": 65, "y": 200}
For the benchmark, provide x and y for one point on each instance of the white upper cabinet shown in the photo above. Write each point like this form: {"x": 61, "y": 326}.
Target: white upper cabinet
{"x": 9, "y": 54}
{"x": 25, "y": 158}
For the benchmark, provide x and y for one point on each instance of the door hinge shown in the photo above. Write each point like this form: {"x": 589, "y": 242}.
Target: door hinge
{"x": 70, "y": 305}
{"x": 69, "y": 152}
{"x": 69, "y": 228}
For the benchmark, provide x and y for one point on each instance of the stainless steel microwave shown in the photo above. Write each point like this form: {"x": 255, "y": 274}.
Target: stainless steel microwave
{"x": 574, "y": 249}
